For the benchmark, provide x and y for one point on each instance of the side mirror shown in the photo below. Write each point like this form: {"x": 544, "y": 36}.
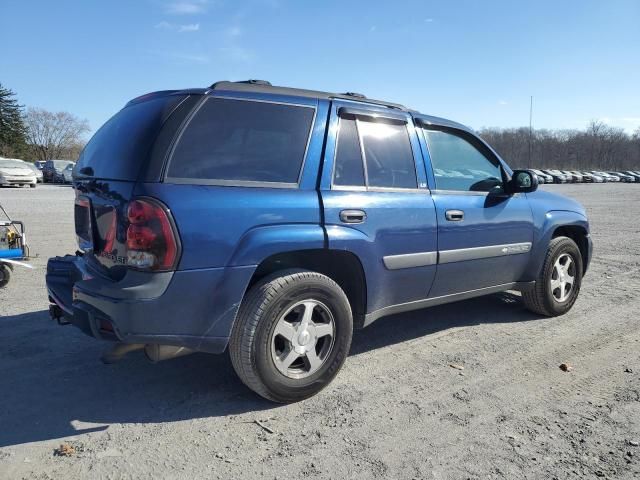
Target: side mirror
{"x": 522, "y": 181}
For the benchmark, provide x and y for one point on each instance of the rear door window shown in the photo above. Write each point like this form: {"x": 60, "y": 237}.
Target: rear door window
{"x": 238, "y": 141}
{"x": 388, "y": 157}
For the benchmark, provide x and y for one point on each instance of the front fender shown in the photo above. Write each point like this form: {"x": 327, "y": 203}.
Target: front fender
{"x": 544, "y": 227}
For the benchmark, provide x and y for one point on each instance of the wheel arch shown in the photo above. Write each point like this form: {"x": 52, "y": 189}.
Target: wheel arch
{"x": 343, "y": 267}
{"x": 579, "y": 234}
{"x": 556, "y": 223}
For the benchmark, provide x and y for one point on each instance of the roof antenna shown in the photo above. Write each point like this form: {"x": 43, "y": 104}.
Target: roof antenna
{"x": 530, "y": 128}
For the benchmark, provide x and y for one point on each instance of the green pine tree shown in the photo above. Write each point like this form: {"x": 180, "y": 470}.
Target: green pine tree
{"x": 12, "y": 128}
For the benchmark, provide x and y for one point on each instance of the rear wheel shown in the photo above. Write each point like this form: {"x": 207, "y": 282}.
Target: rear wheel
{"x": 558, "y": 285}
{"x": 5, "y": 275}
{"x": 292, "y": 335}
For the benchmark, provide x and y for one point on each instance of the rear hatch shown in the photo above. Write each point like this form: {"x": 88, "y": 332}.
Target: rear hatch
{"x": 106, "y": 173}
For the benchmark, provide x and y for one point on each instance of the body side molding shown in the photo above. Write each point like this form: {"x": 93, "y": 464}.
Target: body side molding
{"x": 476, "y": 253}
{"x": 422, "y": 259}
{"x": 409, "y": 260}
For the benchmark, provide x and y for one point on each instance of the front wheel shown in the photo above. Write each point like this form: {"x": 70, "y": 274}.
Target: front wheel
{"x": 558, "y": 284}
{"x": 292, "y": 335}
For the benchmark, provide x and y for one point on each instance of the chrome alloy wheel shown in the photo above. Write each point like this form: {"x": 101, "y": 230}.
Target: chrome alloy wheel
{"x": 563, "y": 277}
{"x": 303, "y": 339}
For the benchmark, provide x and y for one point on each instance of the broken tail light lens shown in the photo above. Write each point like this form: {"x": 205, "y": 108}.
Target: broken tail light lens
{"x": 152, "y": 239}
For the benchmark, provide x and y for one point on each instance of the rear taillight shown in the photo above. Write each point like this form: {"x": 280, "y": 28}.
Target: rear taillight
{"x": 82, "y": 217}
{"x": 152, "y": 241}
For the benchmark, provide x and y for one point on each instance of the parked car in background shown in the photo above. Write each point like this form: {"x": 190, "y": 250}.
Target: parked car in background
{"x": 581, "y": 176}
{"x": 16, "y": 172}
{"x": 587, "y": 177}
{"x": 36, "y": 170}
{"x": 635, "y": 175}
{"x": 598, "y": 178}
{"x": 607, "y": 176}
{"x": 541, "y": 179}
{"x": 557, "y": 175}
{"x": 575, "y": 176}
{"x": 52, "y": 170}
{"x": 39, "y": 164}
{"x": 547, "y": 178}
{"x": 67, "y": 173}
{"x": 270, "y": 222}
{"x": 623, "y": 177}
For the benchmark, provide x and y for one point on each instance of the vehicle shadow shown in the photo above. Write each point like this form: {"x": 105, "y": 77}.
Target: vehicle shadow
{"x": 54, "y": 385}
{"x": 505, "y": 307}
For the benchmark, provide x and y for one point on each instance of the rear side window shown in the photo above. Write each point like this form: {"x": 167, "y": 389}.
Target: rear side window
{"x": 235, "y": 141}
{"x": 118, "y": 149}
{"x": 387, "y": 155}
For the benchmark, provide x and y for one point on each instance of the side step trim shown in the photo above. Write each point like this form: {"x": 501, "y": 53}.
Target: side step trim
{"x": 454, "y": 297}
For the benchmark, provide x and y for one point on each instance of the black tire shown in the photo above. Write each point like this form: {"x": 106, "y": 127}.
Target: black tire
{"x": 541, "y": 299}
{"x": 32, "y": 185}
{"x": 250, "y": 345}
{"x": 5, "y": 275}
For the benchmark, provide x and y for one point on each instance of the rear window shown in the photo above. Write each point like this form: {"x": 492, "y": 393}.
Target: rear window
{"x": 119, "y": 147}
{"x": 236, "y": 141}
{"x": 59, "y": 164}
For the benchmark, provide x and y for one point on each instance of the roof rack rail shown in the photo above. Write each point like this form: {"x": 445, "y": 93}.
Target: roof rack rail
{"x": 354, "y": 95}
{"x": 262, "y": 86}
{"x": 251, "y": 81}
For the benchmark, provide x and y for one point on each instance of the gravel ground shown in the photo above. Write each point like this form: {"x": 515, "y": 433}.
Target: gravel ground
{"x": 397, "y": 409}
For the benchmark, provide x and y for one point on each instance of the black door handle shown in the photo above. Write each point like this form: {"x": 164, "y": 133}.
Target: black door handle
{"x": 353, "y": 216}
{"x": 454, "y": 215}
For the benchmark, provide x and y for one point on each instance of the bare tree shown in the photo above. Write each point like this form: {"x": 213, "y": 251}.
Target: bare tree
{"x": 599, "y": 146}
{"x": 54, "y": 134}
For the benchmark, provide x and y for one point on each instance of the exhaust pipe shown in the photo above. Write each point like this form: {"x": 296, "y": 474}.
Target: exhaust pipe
{"x": 118, "y": 351}
{"x": 156, "y": 353}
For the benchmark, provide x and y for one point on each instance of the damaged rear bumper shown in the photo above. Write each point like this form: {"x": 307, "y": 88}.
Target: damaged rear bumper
{"x": 190, "y": 308}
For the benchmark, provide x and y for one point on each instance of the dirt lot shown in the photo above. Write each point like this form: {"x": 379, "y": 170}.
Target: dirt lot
{"x": 397, "y": 409}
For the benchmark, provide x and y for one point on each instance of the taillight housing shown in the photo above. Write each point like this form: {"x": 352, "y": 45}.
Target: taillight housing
{"x": 152, "y": 239}
{"x": 83, "y": 226}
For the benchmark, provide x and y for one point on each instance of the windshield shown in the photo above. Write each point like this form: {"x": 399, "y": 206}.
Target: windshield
{"x": 12, "y": 163}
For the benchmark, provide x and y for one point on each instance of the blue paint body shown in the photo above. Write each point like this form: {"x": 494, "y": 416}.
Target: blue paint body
{"x": 227, "y": 232}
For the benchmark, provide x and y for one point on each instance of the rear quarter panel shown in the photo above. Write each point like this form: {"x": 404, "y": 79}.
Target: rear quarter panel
{"x": 222, "y": 226}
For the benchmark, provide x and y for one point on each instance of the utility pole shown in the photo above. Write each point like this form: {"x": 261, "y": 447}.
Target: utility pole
{"x": 530, "y": 128}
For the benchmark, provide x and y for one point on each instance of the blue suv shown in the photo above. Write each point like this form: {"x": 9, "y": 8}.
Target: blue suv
{"x": 273, "y": 221}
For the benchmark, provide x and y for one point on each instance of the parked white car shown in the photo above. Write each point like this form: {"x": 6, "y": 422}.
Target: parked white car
{"x": 16, "y": 172}
{"x": 36, "y": 170}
